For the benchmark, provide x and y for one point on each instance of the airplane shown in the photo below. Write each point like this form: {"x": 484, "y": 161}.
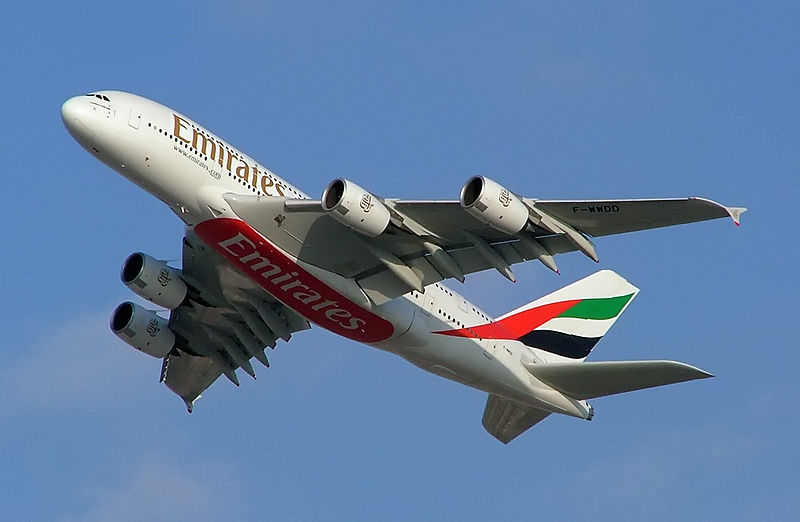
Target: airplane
{"x": 261, "y": 261}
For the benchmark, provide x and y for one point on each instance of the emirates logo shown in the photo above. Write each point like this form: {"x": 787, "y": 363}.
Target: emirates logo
{"x": 152, "y": 328}
{"x": 366, "y": 202}
{"x": 163, "y": 277}
{"x": 505, "y": 197}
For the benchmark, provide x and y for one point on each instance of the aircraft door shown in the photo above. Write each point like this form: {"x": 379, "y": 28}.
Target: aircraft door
{"x": 135, "y": 118}
{"x": 427, "y": 302}
{"x": 490, "y": 351}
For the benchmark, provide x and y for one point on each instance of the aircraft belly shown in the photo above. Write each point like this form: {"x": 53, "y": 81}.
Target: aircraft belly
{"x": 461, "y": 360}
{"x": 476, "y": 363}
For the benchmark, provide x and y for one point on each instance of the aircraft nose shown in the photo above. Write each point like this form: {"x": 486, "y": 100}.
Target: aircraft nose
{"x": 71, "y": 113}
{"x": 70, "y": 109}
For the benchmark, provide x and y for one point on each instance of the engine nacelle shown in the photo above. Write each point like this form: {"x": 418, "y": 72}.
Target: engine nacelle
{"x": 153, "y": 280}
{"x": 143, "y": 329}
{"x": 493, "y": 204}
{"x": 355, "y": 207}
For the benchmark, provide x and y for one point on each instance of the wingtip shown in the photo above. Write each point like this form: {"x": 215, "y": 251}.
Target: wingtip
{"x": 735, "y": 214}
{"x": 699, "y": 373}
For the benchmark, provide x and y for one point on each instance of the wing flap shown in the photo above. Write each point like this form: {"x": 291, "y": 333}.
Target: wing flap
{"x": 589, "y": 380}
{"x": 505, "y": 419}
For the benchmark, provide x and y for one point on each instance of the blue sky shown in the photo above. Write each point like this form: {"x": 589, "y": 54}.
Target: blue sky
{"x": 555, "y": 100}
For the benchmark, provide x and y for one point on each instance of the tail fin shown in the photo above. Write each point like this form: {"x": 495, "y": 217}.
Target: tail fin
{"x": 570, "y": 321}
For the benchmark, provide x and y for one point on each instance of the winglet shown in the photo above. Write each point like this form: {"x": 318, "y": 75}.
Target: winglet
{"x": 735, "y": 212}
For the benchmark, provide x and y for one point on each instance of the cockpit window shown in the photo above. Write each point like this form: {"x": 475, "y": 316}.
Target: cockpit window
{"x": 99, "y": 97}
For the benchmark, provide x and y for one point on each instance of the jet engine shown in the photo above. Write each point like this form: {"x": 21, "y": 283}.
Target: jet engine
{"x": 153, "y": 280}
{"x": 143, "y": 329}
{"x": 355, "y": 207}
{"x": 493, "y": 204}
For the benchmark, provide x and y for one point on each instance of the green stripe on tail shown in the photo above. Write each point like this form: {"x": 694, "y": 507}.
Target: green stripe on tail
{"x": 599, "y": 308}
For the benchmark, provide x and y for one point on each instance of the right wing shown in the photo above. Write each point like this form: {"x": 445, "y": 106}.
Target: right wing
{"x": 505, "y": 419}
{"x": 225, "y": 322}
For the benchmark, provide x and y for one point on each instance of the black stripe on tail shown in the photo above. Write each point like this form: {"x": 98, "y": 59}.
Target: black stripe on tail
{"x": 565, "y": 345}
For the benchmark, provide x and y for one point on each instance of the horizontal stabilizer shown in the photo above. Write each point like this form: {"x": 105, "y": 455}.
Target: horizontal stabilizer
{"x": 505, "y": 419}
{"x": 598, "y": 379}
{"x": 189, "y": 375}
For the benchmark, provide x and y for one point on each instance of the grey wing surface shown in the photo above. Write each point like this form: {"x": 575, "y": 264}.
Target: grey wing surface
{"x": 225, "y": 322}
{"x": 605, "y": 217}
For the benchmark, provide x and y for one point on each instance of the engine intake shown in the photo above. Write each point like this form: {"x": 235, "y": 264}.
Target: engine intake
{"x": 492, "y": 204}
{"x": 153, "y": 280}
{"x": 143, "y": 329}
{"x": 355, "y": 207}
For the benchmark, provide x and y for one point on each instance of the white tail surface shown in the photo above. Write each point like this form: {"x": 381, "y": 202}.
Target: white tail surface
{"x": 599, "y": 379}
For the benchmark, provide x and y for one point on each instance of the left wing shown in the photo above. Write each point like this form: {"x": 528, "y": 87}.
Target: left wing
{"x": 224, "y": 323}
{"x": 423, "y": 242}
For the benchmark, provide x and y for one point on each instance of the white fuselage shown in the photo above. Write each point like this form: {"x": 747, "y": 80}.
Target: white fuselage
{"x": 189, "y": 169}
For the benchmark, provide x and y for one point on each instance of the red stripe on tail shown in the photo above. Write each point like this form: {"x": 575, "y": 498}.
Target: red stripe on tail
{"x": 517, "y": 325}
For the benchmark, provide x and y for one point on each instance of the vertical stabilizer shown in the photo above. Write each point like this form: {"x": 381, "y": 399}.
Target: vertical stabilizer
{"x": 568, "y": 322}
